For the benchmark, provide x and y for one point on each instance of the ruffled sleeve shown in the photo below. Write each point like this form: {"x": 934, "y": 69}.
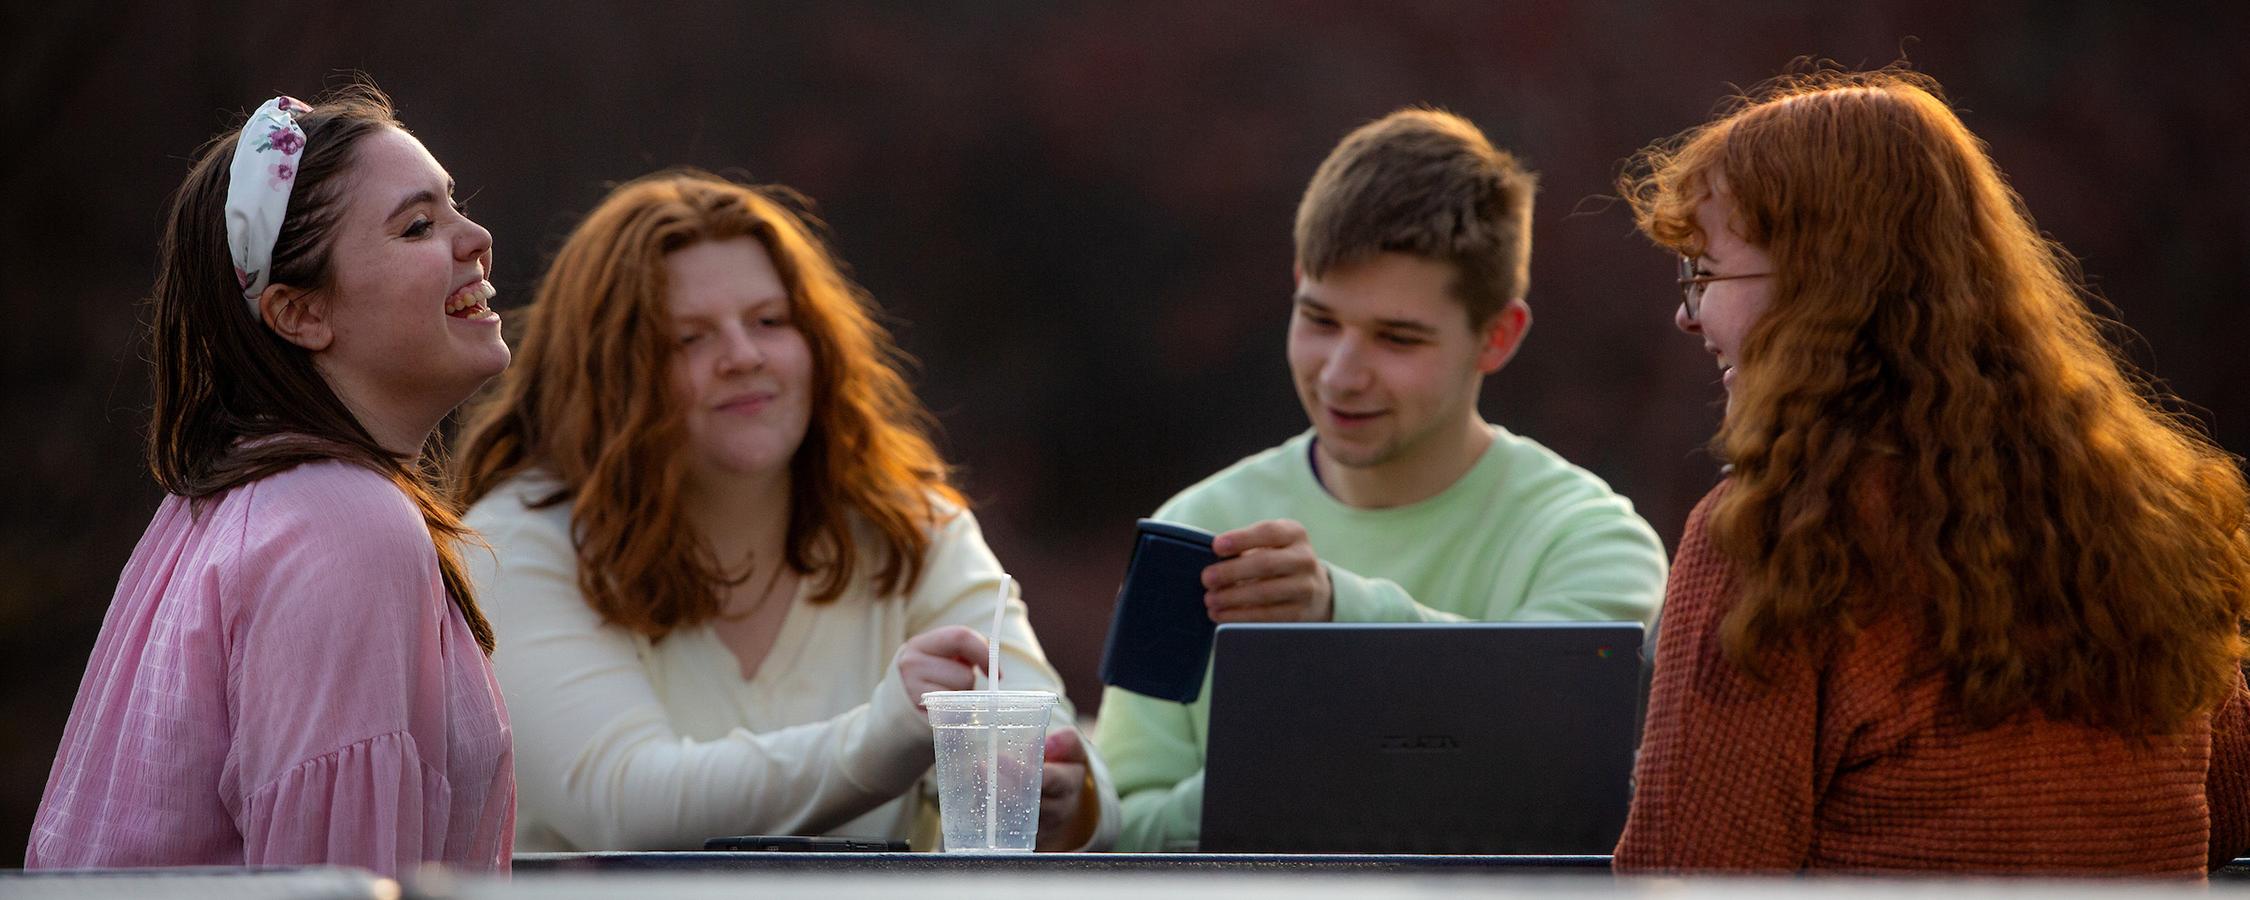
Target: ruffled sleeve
{"x": 366, "y": 805}
{"x": 337, "y": 677}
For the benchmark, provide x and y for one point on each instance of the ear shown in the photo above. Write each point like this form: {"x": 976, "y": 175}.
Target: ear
{"x": 1503, "y": 335}
{"x": 296, "y": 315}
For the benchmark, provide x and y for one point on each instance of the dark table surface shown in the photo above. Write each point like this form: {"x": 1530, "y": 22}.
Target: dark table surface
{"x": 1123, "y": 876}
{"x": 709, "y": 861}
{"x": 721, "y": 861}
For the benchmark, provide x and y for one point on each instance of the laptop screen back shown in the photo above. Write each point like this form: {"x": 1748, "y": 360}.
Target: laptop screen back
{"x": 1483, "y": 738}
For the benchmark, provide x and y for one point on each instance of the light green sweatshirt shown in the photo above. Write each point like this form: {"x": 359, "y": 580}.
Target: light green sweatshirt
{"x": 1524, "y": 535}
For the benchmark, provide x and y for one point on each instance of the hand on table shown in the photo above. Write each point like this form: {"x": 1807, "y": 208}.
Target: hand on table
{"x": 1068, "y": 811}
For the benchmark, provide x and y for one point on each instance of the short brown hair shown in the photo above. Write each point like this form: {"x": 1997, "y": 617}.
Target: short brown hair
{"x": 1427, "y": 183}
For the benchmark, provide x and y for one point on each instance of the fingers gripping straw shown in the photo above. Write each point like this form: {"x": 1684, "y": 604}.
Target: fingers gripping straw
{"x": 992, "y": 671}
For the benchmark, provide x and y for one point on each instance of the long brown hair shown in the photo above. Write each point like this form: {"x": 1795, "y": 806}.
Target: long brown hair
{"x": 234, "y": 401}
{"x": 588, "y": 401}
{"x": 1927, "y": 417}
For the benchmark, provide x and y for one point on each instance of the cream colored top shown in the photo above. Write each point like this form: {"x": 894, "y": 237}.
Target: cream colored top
{"x": 624, "y": 743}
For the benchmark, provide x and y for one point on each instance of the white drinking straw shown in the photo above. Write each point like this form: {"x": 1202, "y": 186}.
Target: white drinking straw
{"x": 992, "y": 752}
{"x": 992, "y": 640}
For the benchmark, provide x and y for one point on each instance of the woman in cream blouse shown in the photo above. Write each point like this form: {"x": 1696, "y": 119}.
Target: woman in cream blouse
{"x": 726, "y": 560}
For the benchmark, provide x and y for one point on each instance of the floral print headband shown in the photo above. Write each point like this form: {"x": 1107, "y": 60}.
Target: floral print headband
{"x": 265, "y": 167}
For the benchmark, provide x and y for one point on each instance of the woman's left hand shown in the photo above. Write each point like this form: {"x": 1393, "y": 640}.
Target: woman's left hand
{"x": 1068, "y": 811}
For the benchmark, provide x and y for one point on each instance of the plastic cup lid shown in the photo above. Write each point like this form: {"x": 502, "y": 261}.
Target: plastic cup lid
{"x": 988, "y": 699}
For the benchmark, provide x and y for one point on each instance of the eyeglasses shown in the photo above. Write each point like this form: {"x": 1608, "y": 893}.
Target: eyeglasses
{"x": 1691, "y": 284}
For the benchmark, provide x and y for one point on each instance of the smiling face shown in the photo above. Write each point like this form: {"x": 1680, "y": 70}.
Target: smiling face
{"x": 1385, "y": 361}
{"x": 409, "y": 300}
{"x": 742, "y": 369}
{"x": 1729, "y": 308}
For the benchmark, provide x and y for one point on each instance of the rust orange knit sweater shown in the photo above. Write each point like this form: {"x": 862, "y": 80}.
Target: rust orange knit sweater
{"x": 1832, "y": 765}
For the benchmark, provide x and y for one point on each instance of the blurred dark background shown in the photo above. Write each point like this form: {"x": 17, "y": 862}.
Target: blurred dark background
{"x": 1078, "y": 212}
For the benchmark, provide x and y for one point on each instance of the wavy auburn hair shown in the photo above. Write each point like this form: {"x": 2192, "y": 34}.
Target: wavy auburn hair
{"x": 234, "y": 401}
{"x": 588, "y": 400}
{"x": 1927, "y": 418}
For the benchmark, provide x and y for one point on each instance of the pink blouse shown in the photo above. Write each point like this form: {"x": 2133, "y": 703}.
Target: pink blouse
{"x": 281, "y": 680}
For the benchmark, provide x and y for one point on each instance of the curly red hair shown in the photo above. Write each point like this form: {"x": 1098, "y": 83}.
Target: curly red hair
{"x": 1927, "y": 417}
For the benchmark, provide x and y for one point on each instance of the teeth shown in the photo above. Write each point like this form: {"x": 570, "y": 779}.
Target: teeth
{"x": 473, "y": 297}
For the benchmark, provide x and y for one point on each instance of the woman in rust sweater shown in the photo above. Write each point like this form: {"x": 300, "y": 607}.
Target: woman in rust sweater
{"x": 1968, "y": 600}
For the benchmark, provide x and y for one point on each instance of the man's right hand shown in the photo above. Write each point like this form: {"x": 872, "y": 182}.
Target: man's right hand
{"x": 1267, "y": 572}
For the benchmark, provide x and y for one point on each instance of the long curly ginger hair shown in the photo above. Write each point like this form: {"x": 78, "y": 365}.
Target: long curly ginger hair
{"x": 1927, "y": 417}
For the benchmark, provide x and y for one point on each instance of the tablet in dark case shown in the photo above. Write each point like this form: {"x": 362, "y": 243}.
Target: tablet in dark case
{"x": 1160, "y": 634}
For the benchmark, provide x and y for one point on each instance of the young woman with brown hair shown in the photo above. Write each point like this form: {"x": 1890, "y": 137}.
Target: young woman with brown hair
{"x": 728, "y": 560}
{"x": 1968, "y": 599}
{"x": 294, "y": 668}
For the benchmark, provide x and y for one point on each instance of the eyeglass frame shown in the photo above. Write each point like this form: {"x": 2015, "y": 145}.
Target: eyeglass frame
{"x": 1692, "y": 285}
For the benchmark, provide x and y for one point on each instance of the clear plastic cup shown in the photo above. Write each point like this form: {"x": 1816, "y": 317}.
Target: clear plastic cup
{"x": 991, "y": 749}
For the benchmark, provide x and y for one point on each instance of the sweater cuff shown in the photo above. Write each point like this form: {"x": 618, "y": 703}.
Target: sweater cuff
{"x": 1357, "y": 598}
{"x": 895, "y": 743}
{"x": 1184, "y": 814}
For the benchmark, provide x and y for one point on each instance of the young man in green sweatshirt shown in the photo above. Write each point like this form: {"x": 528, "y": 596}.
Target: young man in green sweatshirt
{"x": 1401, "y": 504}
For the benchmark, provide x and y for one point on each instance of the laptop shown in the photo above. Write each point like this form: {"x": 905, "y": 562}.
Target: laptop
{"x": 1460, "y": 738}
